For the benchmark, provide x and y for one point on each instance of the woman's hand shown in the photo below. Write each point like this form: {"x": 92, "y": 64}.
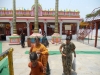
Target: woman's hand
{"x": 74, "y": 55}
{"x": 44, "y": 69}
{"x": 38, "y": 52}
{"x": 64, "y": 55}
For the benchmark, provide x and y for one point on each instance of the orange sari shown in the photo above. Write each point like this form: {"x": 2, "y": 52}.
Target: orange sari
{"x": 43, "y": 58}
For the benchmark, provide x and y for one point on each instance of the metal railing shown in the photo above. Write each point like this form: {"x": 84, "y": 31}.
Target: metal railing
{"x": 8, "y": 53}
{"x": 81, "y": 35}
{"x": 85, "y": 32}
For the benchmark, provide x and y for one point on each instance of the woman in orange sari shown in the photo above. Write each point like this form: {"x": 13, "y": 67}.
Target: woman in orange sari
{"x": 41, "y": 50}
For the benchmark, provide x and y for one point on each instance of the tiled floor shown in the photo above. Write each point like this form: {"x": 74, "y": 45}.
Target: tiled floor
{"x": 86, "y": 64}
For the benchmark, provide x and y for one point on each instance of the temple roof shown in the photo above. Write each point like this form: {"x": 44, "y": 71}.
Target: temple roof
{"x": 46, "y": 18}
{"x": 50, "y": 9}
{"x": 39, "y": 5}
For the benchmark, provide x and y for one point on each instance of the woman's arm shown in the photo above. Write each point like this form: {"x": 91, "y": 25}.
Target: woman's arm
{"x": 31, "y": 48}
{"x": 61, "y": 50}
{"x": 45, "y": 50}
{"x": 73, "y": 49}
{"x": 74, "y": 53}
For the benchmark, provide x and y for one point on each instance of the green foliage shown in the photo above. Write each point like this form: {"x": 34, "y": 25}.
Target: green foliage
{"x": 98, "y": 12}
{"x": 94, "y": 14}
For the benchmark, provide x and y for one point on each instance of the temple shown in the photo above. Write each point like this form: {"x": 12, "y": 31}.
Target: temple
{"x": 25, "y": 21}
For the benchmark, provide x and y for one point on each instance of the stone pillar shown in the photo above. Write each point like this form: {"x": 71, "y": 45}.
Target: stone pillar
{"x": 11, "y": 27}
{"x": 14, "y": 17}
{"x": 56, "y": 16}
{"x": 78, "y": 25}
{"x": 14, "y": 38}
{"x": 60, "y": 28}
{"x": 45, "y": 28}
{"x": 36, "y": 28}
{"x": 28, "y": 30}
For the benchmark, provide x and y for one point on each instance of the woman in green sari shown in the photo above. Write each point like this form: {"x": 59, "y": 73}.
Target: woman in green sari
{"x": 68, "y": 49}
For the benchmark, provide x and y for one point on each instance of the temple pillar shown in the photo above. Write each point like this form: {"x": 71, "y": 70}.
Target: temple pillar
{"x": 14, "y": 38}
{"x": 45, "y": 28}
{"x": 78, "y": 26}
{"x": 31, "y": 39}
{"x": 28, "y": 30}
{"x": 60, "y": 28}
{"x": 11, "y": 27}
{"x": 56, "y": 37}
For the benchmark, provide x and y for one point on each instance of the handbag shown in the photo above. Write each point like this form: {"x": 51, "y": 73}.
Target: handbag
{"x": 74, "y": 64}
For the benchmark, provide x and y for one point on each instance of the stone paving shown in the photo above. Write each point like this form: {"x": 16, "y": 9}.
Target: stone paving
{"x": 86, "y": 64}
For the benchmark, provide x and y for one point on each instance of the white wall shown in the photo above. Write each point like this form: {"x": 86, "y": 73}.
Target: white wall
{"x": 48, "y": 37}
{"x": 74, "y": 37}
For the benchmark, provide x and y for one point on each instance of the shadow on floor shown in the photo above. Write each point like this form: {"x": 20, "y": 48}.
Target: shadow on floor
{"x": 74, "y": 73}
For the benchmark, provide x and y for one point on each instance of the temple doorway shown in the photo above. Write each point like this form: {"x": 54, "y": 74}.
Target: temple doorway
{"x": 21, "y": 26}
{"x": 40, "y": 25}
{"x": 51, "y": 28}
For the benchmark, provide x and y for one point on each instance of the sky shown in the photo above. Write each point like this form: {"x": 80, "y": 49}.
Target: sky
{"x": 84, "y": 6}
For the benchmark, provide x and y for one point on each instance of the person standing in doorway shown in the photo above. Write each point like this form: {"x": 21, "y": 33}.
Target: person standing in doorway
{"x": 69, "y": 34}
{"x": 44, "y": 34}
{"x": 40, "y": 31}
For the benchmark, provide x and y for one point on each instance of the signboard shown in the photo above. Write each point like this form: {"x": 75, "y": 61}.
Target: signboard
{"x": 52, "y": 26}
{"x": 67, "y": 27}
